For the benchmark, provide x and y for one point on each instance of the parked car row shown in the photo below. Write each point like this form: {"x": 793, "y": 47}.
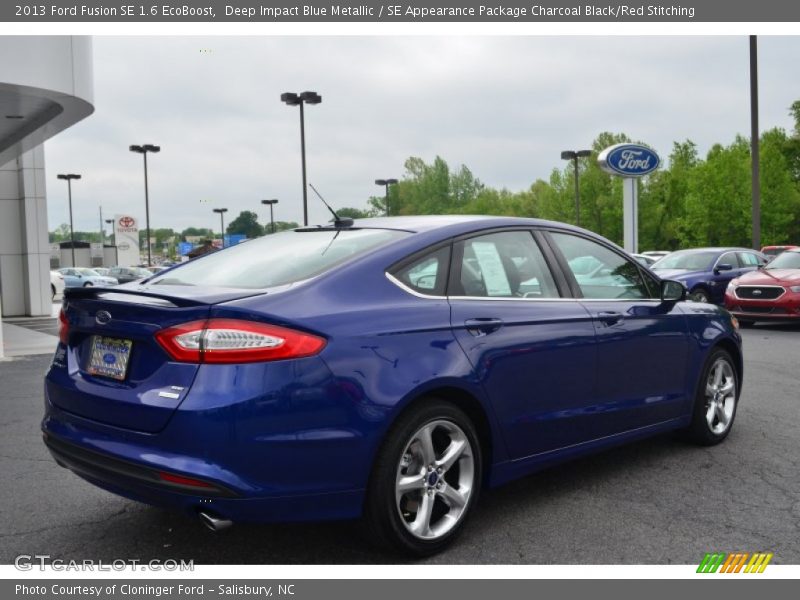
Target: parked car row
{"x": 753, "y": 286}
{"x": 99, "y": 276}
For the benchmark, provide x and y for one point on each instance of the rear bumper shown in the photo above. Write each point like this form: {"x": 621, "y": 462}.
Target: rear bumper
{"x": 141, "y": 483}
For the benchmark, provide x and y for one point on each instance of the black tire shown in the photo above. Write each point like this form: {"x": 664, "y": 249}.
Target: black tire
{"x": 386, "y": 526}
{"x": 701, "y": 431}
{"x": 52, "y": 292}
{"x": 746, "y": 322}
{"x": 88, "y": 284}
{"x": 699, "y": 294}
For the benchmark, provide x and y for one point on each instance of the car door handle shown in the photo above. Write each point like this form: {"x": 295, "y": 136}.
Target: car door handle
{"x": 610, "y": 317}
{"x": 482, "y": 325}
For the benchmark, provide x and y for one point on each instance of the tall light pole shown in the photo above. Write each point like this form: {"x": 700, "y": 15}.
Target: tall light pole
{"x": 111, "y": 222}
{"x": 574, "y": 155}
{"x": 143, "y": 150}
{"x": 292, "y": 99}
{"x": 754, "y": 145}
{"x": 221, "y": 212}
{"x": 386, "y": 183}
{"x": 272, "y": 202}
{"x": 69, "y": 177}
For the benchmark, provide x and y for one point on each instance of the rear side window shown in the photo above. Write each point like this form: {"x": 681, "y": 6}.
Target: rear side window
{"x": 502, "y": 265}
{"x": 729, "y": 258}
{"x": 428, "y": 274}
{"x": 278, "y": 259}
{"x": 748, "y": 259}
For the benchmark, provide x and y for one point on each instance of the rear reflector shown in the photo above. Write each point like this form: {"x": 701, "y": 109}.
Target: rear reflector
{"x": 236, "y": 341}
{"x": 181, "y": 480}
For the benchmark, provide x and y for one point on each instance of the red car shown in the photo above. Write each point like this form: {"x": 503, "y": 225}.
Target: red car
{"x": 773, "y": 251}
{"x": 771, "y": 293}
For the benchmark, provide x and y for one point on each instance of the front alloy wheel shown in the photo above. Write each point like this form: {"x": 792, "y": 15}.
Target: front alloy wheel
{"x": 720, "y": 396}
{"x": 426, "y": 479}
{"x": 715, "y": 400}
{"x": 699, "y": 295}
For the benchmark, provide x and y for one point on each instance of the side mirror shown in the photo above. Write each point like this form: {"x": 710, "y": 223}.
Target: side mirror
{"x": 723, "y": 267}
{"x": 672, "y": 291}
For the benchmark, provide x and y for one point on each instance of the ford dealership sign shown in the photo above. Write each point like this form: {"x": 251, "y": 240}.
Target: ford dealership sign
{"x": 628, "y": 160}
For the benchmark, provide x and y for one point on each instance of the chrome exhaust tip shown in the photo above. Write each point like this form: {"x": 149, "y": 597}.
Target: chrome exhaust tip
{"x": 213, "y": 522}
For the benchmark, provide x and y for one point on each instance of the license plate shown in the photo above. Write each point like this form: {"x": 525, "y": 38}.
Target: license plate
{"x": 109, "y": 357}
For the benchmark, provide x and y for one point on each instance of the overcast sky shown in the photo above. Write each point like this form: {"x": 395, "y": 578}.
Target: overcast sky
{"x": 503, "y": 106}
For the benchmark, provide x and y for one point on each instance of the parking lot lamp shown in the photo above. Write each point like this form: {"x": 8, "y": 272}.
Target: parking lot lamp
{"x": 68, "y": 177}
{"x": 221, "y": 212}
{"x": 574, "y": 155}
{"x": 386, "y": 183}
{"x": 272, "y": 202}
{"x": 292, "y": 99}
{"x": 143, "y": 150}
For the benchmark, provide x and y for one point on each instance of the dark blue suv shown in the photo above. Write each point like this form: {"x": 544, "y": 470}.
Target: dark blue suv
{"x": 706, "y": 272}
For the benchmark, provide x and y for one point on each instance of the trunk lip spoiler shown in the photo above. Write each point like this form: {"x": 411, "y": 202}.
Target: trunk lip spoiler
{"x": 95, "y": 293}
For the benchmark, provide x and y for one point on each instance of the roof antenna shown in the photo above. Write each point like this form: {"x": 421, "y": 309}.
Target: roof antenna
{"x": 337, "y": 220}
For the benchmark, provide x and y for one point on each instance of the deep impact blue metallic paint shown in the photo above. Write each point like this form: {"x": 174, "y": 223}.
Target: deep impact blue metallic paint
{"x": 296, "y": 439}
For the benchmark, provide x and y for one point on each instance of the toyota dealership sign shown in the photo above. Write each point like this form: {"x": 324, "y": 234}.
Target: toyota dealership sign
{"x": 126, "y": 238}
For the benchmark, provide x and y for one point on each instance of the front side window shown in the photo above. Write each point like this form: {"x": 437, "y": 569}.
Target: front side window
{"x": 600, "y": 272}
{"x": 729, "y": 258}
{"x": 502, "y": 265}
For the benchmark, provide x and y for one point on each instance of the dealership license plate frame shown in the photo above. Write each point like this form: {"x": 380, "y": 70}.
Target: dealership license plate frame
{"x": 103, "y": 347}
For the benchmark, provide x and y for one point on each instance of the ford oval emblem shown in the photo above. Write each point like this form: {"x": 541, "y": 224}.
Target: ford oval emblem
{"x": 628, "y": 160}
{"x": 102, "y": 317}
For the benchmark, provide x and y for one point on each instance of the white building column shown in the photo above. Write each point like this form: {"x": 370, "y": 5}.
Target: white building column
{"x": 24, "y": 243}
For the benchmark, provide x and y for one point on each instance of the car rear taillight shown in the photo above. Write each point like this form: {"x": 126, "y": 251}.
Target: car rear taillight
{"x": 236, "y": 341}
{"x": 63, "y": 327}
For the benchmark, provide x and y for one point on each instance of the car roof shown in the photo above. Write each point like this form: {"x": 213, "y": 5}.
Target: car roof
{"x": 424, "y": 223}
{"x": 716, "y": 249}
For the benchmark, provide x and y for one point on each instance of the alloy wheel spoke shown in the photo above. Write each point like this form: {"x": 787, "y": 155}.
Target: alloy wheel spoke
{"x": 421, "y": 525}
{"x": 426, "y": 445}
{"x": 719, "y": 409}
{"x": 727, "y": 388}
{"x": 453, "y": 497}
{"x": 410, "y": 483}
{"x": 710, "y": 411}
{"x": 718, "y": 375}
{"x": 452, "y": 453}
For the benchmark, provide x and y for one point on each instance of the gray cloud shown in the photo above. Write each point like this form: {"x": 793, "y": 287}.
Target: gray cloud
{"x": 503, "y": 106}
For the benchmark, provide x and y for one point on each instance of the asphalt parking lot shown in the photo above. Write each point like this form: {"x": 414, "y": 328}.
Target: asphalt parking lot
{"x": 655, "y": 502}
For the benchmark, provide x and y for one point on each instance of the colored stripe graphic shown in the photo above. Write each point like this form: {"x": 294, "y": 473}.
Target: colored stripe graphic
{"x": 711, "y": 562}
{"x": 735, "y": 562}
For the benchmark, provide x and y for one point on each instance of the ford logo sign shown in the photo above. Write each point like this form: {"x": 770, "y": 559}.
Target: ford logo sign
{"x": 628, "y": 160}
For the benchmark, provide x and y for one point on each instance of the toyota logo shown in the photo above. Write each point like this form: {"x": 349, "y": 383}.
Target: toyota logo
{"x": 126, "y": 221}
{"x": 103, "y": 317}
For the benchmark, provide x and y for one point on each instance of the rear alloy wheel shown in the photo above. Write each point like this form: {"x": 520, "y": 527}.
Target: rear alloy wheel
{"x": 699, "y": 295}
{"x": 426, "y": 480}
{"x": 716, "y": 399}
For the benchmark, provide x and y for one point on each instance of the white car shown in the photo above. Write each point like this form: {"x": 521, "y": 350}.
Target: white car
{"x": 56, "y": 284}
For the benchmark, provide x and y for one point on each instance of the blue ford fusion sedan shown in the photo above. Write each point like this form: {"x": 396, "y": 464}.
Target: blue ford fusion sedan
{"x": 384, "y": 368}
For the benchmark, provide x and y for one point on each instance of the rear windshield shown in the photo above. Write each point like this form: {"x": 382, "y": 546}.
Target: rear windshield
{"x": 278, "y": 259}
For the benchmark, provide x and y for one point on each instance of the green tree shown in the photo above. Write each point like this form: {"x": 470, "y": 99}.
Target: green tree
{"x": 247, "y": 224}
{"x": 197, "y": 231}
{"x": 353, "y": 213}
{"x": 283, "y": 226}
